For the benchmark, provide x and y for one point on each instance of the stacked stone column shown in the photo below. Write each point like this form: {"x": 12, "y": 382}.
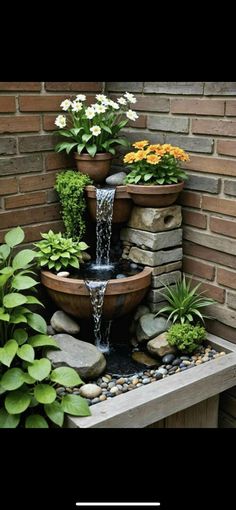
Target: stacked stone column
{"x": 153, "y": 237}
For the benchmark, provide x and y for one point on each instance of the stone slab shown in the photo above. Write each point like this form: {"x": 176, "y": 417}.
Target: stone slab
{"x": 155, "y": 258}
{"x": 153, "y": 219}
{"x": 155, "y": 295}
{"x": 165, "y": 279}
{"x": 154, "y": 241}
{"x": 166, "y": 268}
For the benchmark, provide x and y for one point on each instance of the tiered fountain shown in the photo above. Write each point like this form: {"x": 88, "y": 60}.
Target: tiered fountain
{"x": 102, "y": 289}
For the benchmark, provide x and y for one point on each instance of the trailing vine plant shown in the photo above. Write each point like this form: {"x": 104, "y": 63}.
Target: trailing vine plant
{"x": 70, "y": 188}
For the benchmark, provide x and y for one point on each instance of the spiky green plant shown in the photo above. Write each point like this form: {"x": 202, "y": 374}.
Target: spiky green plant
{"x": 184, "y": 303}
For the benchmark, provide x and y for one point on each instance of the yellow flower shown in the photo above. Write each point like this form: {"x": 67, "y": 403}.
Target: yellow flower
{"x": 153, "y": 159}
{"x": 140, "y": 155}
{"x": 141, "y": 144}
{"x": 130, "y": 157}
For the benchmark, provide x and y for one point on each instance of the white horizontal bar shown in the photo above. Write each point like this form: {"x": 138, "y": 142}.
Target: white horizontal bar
{"x": 119, "y": 504}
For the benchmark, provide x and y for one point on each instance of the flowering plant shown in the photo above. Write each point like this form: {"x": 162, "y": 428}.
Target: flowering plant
{"x": 94, "y": 128}
{"x": 155, "y": 164}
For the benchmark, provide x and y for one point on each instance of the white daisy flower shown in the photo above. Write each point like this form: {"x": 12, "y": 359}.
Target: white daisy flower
{"x": 121, "y": 100}
{"x": 65, "y": 105}
{"x": 101, "y": 97}
{"x": 90, "y": 112}
{"x": 76, "y": 106}
{"x": 99, "y": 108}
{"x": 96, "y": 130}
{"x": 60, "y": 121}
{"x": 130, "y": 114}
{"x": 81, "y": 97}
{"x": 130, "y": 97}
{"x": 114, "y": 105}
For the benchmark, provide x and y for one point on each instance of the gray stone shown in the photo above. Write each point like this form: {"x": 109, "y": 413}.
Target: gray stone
{"x": 157, "y": 295}
{"x": 156, "y": 307}
{"x": 168, "y": 358}
{"x": 142, "y": 135}
{"x": 50, "y": 330}
{"x": 159, "y": 346}
{"x": 116, "y": 179}
{"x": 155, "y": 219}
{"x": 7, "y": 146}
{"x": 173, "y": 124}
{"x": 202, "y": 183}
{"x": 230, "y": 187}
{"x": 166, "y": 268}
{"x": 145, "y": 359}
{"x": 63, "y": 323}
{"x": 190, "y": 143}
{"x": 85, "y": 358}
{"x": 231, "y": 299}
{"x": 174, "y": 87}
{"x": 155, "y": 258}
{"x": 224, "y": 315}
{"x": 141, "y": 310}
{"x": 90, "y": 391}
{"x": 221, "y": 88}
{"x": 210, "y": 241}
{"x": 124, "y": 86}
{"x": 63, "y": 274}
{"x": 150, "y": 326}
{"x": 153, "y": 241}
{"x": 165, "y": 279}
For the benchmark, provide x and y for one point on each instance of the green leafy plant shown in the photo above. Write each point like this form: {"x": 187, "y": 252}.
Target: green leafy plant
{"x": 28, "y": 396}
{"x": 186, "y": 337}
{"x": 155, "y": 164}
{"x": 57, "y": 252}
{"x": 94, "y": 128}
{"x": 184, "y": 302}
{"x": 70, "y": 187}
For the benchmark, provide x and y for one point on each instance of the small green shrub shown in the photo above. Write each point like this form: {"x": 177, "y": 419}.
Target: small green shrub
{"x": 57, "y": 252}
{"x": 28, "y": 397}
{"x": 70, "y": 188}
{"x": 186, "y": 337}
{"x": 184, "y": 303}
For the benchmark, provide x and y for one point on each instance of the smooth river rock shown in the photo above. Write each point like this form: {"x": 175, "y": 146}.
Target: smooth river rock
{"x": 90, "y": 391}
{"x": 116, "y": 179}
{"x": 84, "y": 357}
{"x": 150, "y": 326}
{"x": 143, "y": 358}
{"x": 63, "y": 323}
{"x": 159, "y": 346}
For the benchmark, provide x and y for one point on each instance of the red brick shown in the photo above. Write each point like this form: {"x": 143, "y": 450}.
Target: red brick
{"x": 19, "y": 124}
{"x": 25, "y": 200}
{"x": 7, "y": 104}
{"x": 34, "y": 86}
{"x": 58, "y": 161}
{"x": 141, "y": 122}
{"x": 226, "y": 277}
{"x": 197, "y": 268}
{"x": 37, "y": 182}
{"x": 194, "y": 218}
{"x": 8, "y": 186}
{"x": 219, "y": 205}
{"x": 75, "y": 86}
{"x": 197, "y": 106}
{"x": 227, "y": 147}
{"x": 49, "y": 122}
{"x": 217, "y": 328}
{"x": 40, "y": 103}
{"x": 37, "y": 214}
{"x": 211, "y": 165}
{"x": 32, "y": 232}
{"x": 214, "y": 127}
{"x": 202, "y": 252}
{"x": 231, "y": 108}
{"x": 223, "y": 226}
{"x": 210, "y": 290}
{"x": 190, "y": 199}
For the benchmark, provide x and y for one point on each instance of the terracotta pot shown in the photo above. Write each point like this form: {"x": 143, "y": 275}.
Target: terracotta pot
{"x": 154, "y": 196}
{"x": 121, "y": 296}
{"x": 122, "y": 204}
{"x": 97, "y": 168}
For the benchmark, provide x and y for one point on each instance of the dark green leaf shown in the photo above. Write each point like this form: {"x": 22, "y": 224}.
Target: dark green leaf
{"x": 8, "y": 421}
{"x": 20, "y": 335}
{"x": 12, "y": 379}
{"x": 8, "y": 352}
{"x": 75, "y": 405}
{"x": 37, "y": 323}
{"x": 55, "y": 413}
{"x": 17, "y": 402}
{"x": 35, "y": 421}
{"x": 92, "y": 149}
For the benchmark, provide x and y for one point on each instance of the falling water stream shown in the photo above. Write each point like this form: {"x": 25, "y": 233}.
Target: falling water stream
{"x": 97, "y": 288}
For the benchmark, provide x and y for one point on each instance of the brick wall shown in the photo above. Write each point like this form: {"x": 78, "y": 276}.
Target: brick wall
{"x": 28, "y": 163}
{"x": 201, "y": 118}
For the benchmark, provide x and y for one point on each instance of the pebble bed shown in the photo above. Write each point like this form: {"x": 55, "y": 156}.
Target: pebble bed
{"x": 109, "y": 386}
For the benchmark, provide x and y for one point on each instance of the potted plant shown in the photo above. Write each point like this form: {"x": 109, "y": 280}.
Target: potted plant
{"x": 155, "y": 179}
{"x": 92, "y": 131}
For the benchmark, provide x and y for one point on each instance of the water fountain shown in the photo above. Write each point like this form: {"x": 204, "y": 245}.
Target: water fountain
{"x": 98, "y": 292}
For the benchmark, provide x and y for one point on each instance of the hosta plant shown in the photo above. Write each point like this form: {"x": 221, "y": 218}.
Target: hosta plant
{"x": 58, "y": 252}
{"x": 186, "y": 337}
{"x": 184, "y": 303}
{"x": 28, "y": 396}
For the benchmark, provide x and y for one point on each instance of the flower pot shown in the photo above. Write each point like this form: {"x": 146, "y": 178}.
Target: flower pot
{"x": 122, "y": 204}
{"x": 97, "y": 167}
{"x": 154, "y": 196}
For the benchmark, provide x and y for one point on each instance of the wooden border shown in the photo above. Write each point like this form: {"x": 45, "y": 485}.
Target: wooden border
{"x": 148, "y": 404}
